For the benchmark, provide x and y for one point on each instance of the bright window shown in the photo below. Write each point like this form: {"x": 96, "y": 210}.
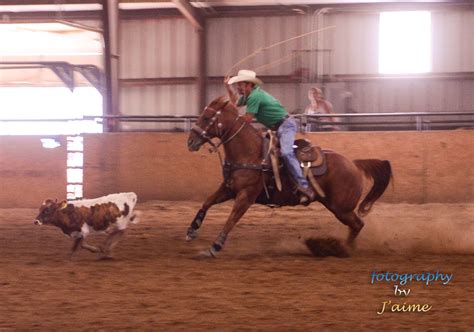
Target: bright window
{"x": 405, "y": 42}
{"x": 34, "y": 101}
{"x": 42, "y": 103}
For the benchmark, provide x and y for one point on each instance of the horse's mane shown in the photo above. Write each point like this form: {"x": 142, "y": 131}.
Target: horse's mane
{"x": 223, "y": 102}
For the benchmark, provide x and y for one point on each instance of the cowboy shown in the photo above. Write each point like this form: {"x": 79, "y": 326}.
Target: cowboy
{"x": 268, "y": 111}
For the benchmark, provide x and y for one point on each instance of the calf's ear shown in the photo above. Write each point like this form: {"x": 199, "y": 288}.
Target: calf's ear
{"x": 63, "y": 205}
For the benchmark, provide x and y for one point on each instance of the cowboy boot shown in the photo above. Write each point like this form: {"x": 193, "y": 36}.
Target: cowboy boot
{"x": 308, "y": 195}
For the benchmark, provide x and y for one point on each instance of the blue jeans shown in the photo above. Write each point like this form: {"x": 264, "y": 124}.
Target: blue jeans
{"x": 286, "y": 134}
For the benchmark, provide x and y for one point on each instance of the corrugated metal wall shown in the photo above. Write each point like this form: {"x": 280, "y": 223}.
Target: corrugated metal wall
{"x": 157, "y": 48}
{"x": 168, "y": 48}
{"x": 453, "y": 41}
{"x": 232, "y": 39}
{"x": 412, "y": 96}
{"x": 354, "y": 43}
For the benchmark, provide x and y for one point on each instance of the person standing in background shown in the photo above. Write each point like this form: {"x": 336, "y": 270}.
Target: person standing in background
{"x": 318, "y": 105}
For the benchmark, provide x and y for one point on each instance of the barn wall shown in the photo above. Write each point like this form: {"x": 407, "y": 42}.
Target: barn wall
{"x": 453, "y": 48}
{"x": 351, "y": 47}
{"x": 168, "y": 48}
{"x": 427, "y": 166}
{"x": 232, "y": 39}
{"x": 157, "y": 48}
{"x": 30, "y": 173}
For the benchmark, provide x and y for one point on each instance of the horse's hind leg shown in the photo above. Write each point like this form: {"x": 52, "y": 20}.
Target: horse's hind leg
{"x": 355, "y": 224}
{"x": 221, "y": 195}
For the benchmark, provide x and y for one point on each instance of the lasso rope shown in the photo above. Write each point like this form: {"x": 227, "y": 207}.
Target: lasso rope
{"x": 274, "y": 63}
{"x": 275, "y": 44}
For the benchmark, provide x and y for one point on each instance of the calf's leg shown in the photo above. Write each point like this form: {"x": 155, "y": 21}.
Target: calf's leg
{"x": 111, "y": 241}
{"x": 80, "y": 243}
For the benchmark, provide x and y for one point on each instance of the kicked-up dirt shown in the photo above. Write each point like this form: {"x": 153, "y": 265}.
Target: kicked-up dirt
{"x": 264, "y": 279}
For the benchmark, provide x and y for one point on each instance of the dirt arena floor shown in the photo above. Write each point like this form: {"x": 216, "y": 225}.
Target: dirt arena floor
{"x": 265, "y": 279}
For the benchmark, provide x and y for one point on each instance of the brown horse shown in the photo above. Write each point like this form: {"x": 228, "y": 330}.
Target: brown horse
{"x": 247, "y": 180}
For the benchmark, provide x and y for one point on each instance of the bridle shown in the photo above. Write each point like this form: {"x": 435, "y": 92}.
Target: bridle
{"x": 215, "y": 121}
{"x": 227, "y": 166}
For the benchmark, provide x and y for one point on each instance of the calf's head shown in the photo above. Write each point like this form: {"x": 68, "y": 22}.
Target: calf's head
{"x": 47, "y": 211}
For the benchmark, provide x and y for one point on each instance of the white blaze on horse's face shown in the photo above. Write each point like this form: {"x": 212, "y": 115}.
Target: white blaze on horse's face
{"x": 204, "y": 129}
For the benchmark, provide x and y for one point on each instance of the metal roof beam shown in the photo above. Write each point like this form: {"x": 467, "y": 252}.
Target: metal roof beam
{"x": 46, "y": 2}
{"x": 190, "y": 13}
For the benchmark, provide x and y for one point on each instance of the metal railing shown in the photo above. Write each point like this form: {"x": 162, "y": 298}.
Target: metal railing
{"x": 344, "y": 122}
{"x": 418, "y": 121}
{"x": 387, "y": 121}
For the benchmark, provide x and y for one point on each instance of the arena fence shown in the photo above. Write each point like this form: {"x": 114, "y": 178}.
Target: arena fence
{"x": 428, "y": 166}
{"x": 418, "y": 121}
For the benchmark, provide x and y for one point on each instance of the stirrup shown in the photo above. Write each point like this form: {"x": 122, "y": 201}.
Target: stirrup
{"x": 304, "y": 200}
{"x": 308, "y": 192}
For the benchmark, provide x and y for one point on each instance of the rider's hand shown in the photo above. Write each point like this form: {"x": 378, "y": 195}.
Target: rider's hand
{"x": 226, "y": 80}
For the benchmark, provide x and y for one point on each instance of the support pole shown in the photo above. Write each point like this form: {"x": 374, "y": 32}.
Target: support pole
{"x": 202, "y": 67}
{"x": 110, "y": 13}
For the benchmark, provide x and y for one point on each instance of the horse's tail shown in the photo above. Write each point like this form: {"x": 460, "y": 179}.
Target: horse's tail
{"x": 381, "y": 172}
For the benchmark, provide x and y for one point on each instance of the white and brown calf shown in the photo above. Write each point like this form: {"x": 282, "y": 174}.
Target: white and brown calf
{"x": 110, "y": 214}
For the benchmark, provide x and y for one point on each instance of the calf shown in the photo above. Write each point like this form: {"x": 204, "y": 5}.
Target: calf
{"x": 110, "y": 214}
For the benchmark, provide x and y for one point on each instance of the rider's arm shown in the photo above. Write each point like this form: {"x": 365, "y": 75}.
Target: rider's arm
{"x": 233, "y": 97}
{"x": 248, "y": 117}
{"x": 253, "y": 105}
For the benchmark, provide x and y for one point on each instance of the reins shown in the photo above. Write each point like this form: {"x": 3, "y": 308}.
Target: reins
{"x": 233, "y": 135}
{"x": 215, "y": 148}
{"x": 215, "y": 121}
{"x": 227, "y": 166}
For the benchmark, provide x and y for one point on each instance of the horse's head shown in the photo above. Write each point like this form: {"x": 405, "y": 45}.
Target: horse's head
{"x": 216, "y": 120}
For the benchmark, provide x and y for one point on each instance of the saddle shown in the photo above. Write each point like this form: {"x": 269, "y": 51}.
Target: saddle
{"x": 309, "y": 155}
{"x": 312, "y": 160}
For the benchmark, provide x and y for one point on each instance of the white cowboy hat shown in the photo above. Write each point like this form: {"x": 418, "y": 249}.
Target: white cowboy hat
{"x": 245, "y": 76}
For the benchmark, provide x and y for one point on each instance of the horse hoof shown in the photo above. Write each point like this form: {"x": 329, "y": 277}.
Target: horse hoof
{"x": 207, "y": 253}
{"x": 191, "y": 234}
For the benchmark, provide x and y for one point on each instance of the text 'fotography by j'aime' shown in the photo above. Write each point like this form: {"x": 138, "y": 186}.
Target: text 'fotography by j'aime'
{"x": 400, "y": 283}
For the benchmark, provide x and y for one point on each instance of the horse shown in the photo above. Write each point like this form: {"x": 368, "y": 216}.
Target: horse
{"x": 247, "y": 180}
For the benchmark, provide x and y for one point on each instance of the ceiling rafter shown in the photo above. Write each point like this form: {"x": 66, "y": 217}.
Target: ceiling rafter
{"x": 190, "y": 13}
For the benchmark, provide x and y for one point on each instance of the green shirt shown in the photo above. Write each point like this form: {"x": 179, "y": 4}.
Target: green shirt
{"x": 267, "y": 110}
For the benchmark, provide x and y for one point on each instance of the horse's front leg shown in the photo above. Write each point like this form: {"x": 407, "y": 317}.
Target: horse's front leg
{"x": 221, "y": 195}
{"x": 243, "y": 201}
